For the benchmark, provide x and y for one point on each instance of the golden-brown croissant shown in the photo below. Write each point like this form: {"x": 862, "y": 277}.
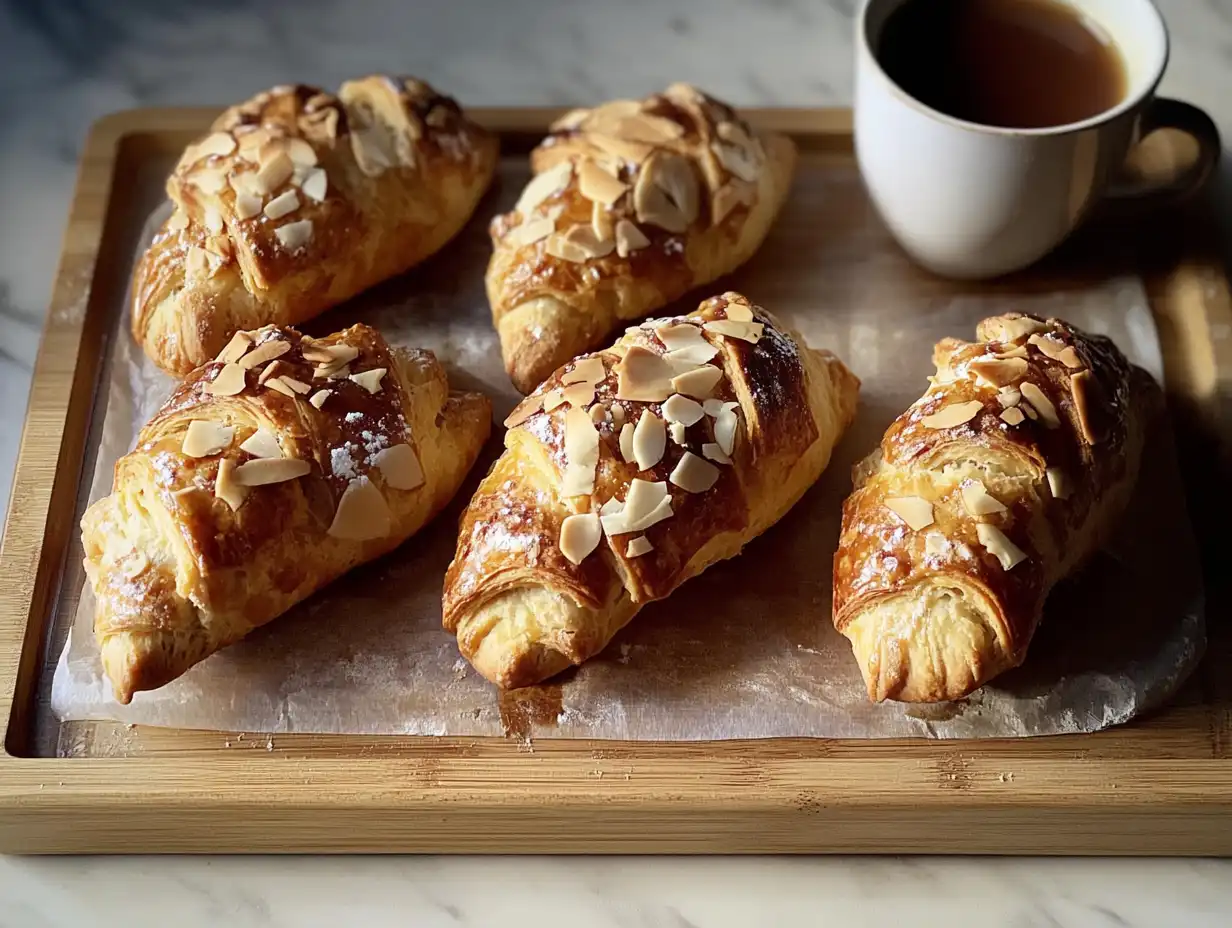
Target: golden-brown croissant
{"x": 632, "y": 204}
{"x": 268, "y": 473}
{"x": 298, "y": 200}
{"x": 998, "y": 482}
{"x": 632, "y": 470}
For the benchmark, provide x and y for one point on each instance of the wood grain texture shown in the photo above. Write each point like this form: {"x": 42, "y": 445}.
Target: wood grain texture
{"x": 1162, "y": 785}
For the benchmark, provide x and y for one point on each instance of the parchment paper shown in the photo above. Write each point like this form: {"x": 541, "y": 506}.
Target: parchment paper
{"x": 747, "y": 650}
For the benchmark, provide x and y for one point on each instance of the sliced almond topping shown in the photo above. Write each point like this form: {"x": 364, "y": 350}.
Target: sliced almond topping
{"x": 736, "y": 160}
{"x": 583, "y": 236}
{"x": 315, "y": 185}
{"x": 544, "y": 185}
{"x": 694, "y": 474}
{"x": 216, "y": 143}
{"x": 1069, "y": 357}
{"x": 552, "y": 399}
{"x": 1010, "y": 329}
{"x": 579, "y": 394}
{"x": 178, "y": 221}
{"x": 598, "y": 414}
{"x": 999, "y": 546}
{"x": 1019, "y": 351}
{"x": 681, "y": 409}
{"x": 748, "y": 331}
{"x": 626, "y": 443}
{"x": 699, "y": 382}
{"x": 581, "y": 454}
{"x": 209, "y": 180}
{"x": 227, "y": 382}
{"x": 580, "y": 534}
{"x": 643, "y": 375}
{"x": 629, "y": 238}
{"x": 953, "y": 414}
{"x": 266, "y": 351}
{"x": 732, "y": 194}
{"x": 1043, "y": 405}
{"x": 285, "y": 203}
{"x": 683, "y": 360}
{"x": 639, "y": 546}
{"x": 523, "y": 411}
{"x": 647, "y": 503}
{"x": 914, "y": 510}
{"x": 679, "y": 336}
{"x": 1009, "y": 396}
{"x": 611, "y": 507}
{"x": 203, "y": 438}
{"x": 262, "y": 444}
{"x": 677, "y": 432}
{"x": 643, "y": 498}
{"x": 725, "y": 425}
{"x": 713, "y": 407}
{"x": 712, "y": 451}
{"x": 273, "y": 173}
{"x": 240, "y": 343}
{"x": 278, "y": 386}
{"x": 666, "y": 191}
{"x": 331, "y": 354}
{"x": 738, "y": 310}
{"x": 587, "y": 370}
{"x": 1082, "y": 405}
{"x": 531, "y": 231}
{"x": 978, "y": 501}
{"x": 247, "y": 205}
{"x": 294, "y": 235}
{"x": 625, "y": 149}
{"x": 560, "y": 247}
{"x": 297, "y": 385}
{"x": 261, "y": 471}
{"x": 649, "y": 440}
{"x": 213, "y": 221}
{"x": 1056, "y": 350}
{"x": 399, "y": 465}
{"x": 197, "y": 262}
{"x": 1013, "y": 415}
{"x": 1029, "y": 410}
{"x": 270, "y": 370}
{"x": 225, "y": 487}
{"x": 648, "y": 128}
{"x": 369, "y": 380}
{"x": 601, "y": 223}
{"x": 598, "y": 185}
{"x": 300, "y": 152}
{"x": 618, "y": 414}
{"x": 362, "y": 513}
{"x": 1058, "y": 483}
{"x": 998, "y": 372}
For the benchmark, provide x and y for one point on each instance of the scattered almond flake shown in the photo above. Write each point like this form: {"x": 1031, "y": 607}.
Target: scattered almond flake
{"x": 643, "y": 375}
{"x": 665, "y": 194}
{"x": 1082, "y": 405}
{"x": 935, "y": 544}
{"x": 208, "y": 180}
{"x": 294, "y": 235}
{"x": 678, "y": 408}
{"x": 523, "y": 411}
{"x": 1069, "y": 357}
{"x": 625, "y": 149}
{"x": 738, "y": 309}
{"x": 725, "y": 426}
{"x": 247, "y": 205}
{"x": 262, "y": 444}
{"x": 272, "y": 174}
{"x": 228, "y": 381}
{"x": 694, "y": 474}
{"x": 239, "y": 344}
{"x": 544, "y": 185}
{"x": 1019, "y": 351}
{"x": 648, "y": 128}
{"x": 1056, "y": 350}
{"x": 266, "y": 351}
{"x": 629, "y": 238}
{"x": 916, "y": 511}
{"x": 284, "y": 204}
{"x": 261, "y": 471}
{"x": 999, "y": 546}
{"x": 400, "y": 467}
{"x": 713, "y": 407}
{"x": 559, "y": 247}
{"x": 297, "y": 385}
{"x": 1029, "y": 410}
{"x": 531, "y": 231}
{"x": 747, "y": 331}
{"x": 618, "y": 414}
{"x": 998, "y": 372}
{"x": 369, "y": 380}
{"x": 678, "y": 336}
{"x": 333, "y": 371}
{"x": 626, "y": 442}
{"x": 587, "y": 370}
{"x": 598, "y": 413}
{"x": 362, "y": 513}
{"x": 598, "y": 185}
{"x": 583, "y": 236}
{"x": 619, "y": 523}
{"x": 342, "y": 461}
{"x": 315, "y": 185}
{"x": 601, "y": 222}
{"x": 649, "y": 440}
{"x": 178, "y": 221}
{"x": 270, "y": 370}
{"x": 216, "y": 143}
{"x": 1058, "y": 483}
{"x": 1009, "y": 396}
{"x": 552, "y": 399}
{"x": 732, "y": 194}
{"x": 278, "y": 386}
{"x": 611, "y": 507}
{"x": 1013, "y": 416}
{"x": 713, "y": 452}
{"x": 579, "y": 394}
{"x": 580, "y": 534}
{"x": 331, "y": 354}
{"x": 301, "y": 152}
{"x": 197, "y": 262}
{"x": 213, "y": 221}
{"x": 677, "y": 432}
{"x": 581, "y": 453}
{"x": 203, "y": 438}
{"x": 1043, "y": 405}
{"x": 953, "y": 414}
{"x": 736, "y": 160}
{"x": 978, "y": 501}
{"x": 642, "y": 499}
{"x": 1010, "y": 329}
{"x": 225, "y": 487}
{"x": 699, "y": 382}
{"x": 639, "y": 546}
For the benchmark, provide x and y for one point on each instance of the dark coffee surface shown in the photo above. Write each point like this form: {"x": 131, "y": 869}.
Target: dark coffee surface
{"x": 1020, "y": 64}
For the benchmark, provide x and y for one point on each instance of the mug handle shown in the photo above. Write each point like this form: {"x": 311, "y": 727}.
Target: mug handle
{"x": 1145, "y": 192}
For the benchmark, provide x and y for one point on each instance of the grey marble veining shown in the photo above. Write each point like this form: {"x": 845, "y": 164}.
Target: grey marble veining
{"x": 64, "y": 64}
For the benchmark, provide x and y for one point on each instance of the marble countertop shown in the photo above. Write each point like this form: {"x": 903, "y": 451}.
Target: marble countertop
{"x": 62, "y": 65}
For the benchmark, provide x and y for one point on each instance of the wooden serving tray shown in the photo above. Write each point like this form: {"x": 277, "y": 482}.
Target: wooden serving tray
{"x": 1160, "y": 785}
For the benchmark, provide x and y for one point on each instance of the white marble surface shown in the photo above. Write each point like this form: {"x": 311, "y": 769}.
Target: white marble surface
{"x": 63, "y": 64}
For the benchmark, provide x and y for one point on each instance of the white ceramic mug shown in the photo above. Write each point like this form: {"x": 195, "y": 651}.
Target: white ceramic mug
{"x": 972, "y": 201}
